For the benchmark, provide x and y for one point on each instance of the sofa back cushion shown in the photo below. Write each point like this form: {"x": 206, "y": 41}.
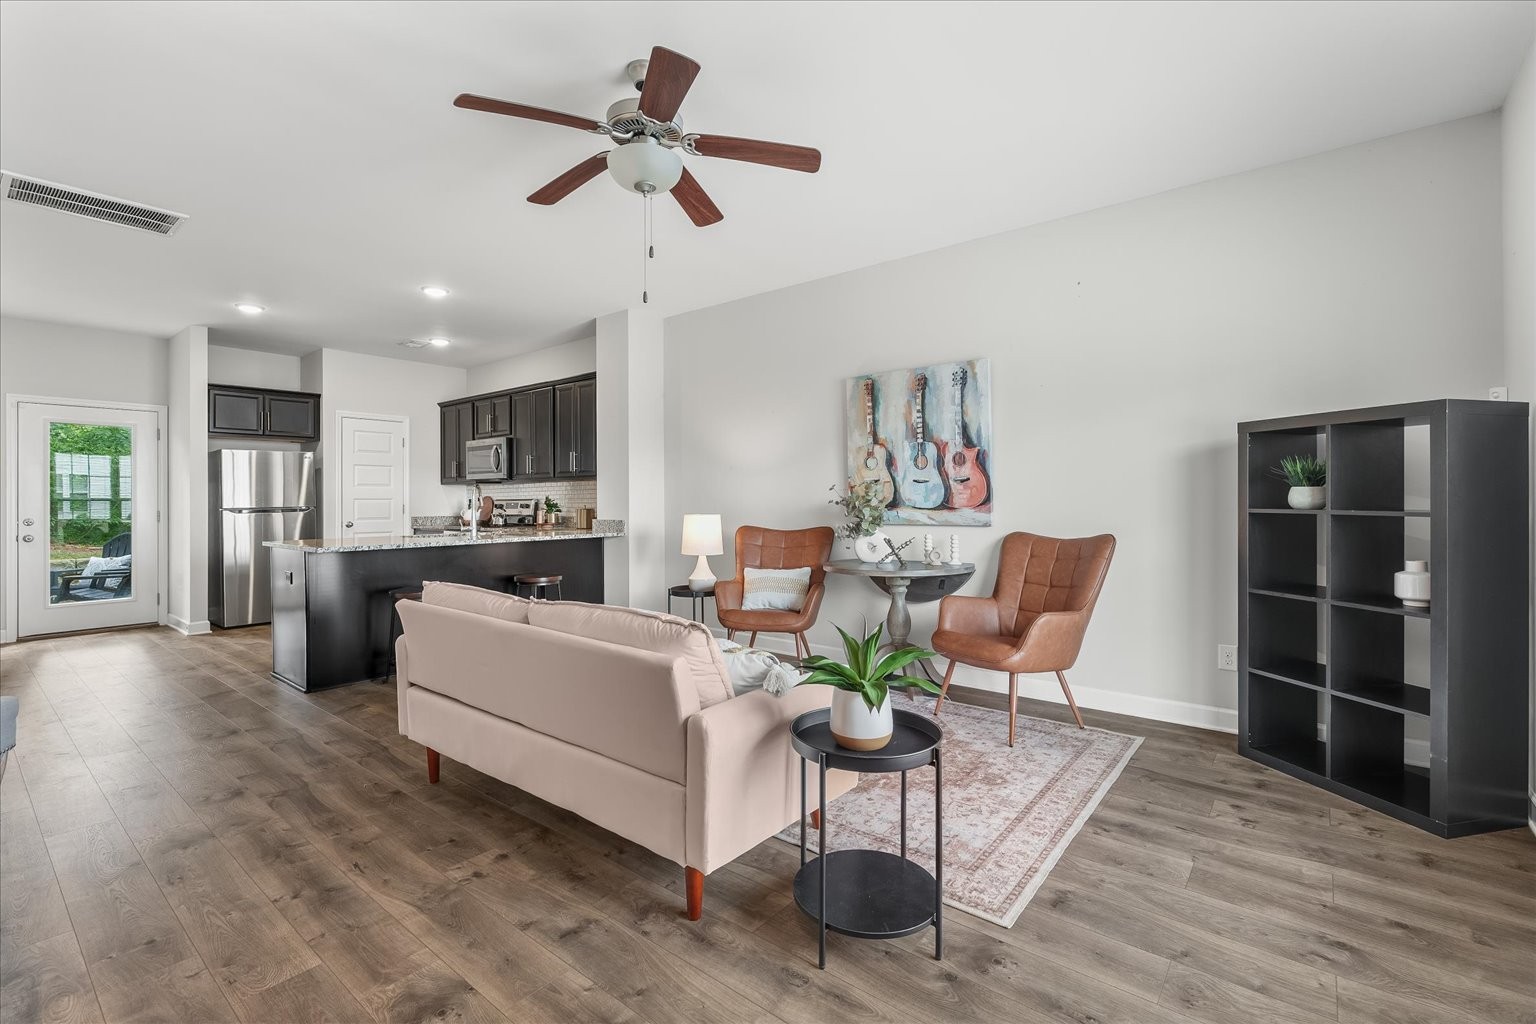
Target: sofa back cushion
{"x": 626, "y": 704}
{"x": 475, "y": 599}
{"x": 647, "y": 631}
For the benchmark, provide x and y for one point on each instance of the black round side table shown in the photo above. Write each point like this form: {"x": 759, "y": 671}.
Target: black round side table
{"x": 698, "y": 596}
{"x": 871, "y": 894}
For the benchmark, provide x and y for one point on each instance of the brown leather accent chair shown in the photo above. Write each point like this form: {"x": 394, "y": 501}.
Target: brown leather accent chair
{"x": 1036, "y": 617}
{"x": 758, "y": 547}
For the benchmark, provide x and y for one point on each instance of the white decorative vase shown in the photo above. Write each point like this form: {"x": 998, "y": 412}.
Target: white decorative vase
{"x": 1412, "y": 584}
{"x": 1307, "y": 497}
{"x": 855, "y": 726}
{"x": 872, "y": 548}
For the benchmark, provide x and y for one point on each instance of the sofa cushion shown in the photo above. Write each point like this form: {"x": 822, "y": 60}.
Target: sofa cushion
{"x": 475, "y": 599}
{"x": 647, "y": 630}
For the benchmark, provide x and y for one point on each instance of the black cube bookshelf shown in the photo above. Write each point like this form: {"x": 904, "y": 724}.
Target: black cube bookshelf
{"x": 1327, "y": 653}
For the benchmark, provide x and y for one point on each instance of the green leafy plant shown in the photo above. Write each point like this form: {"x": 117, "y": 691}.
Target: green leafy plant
{"x": 551, "y": 506}
{"x": 864, "y": 506}
{"x": 1302, "y": 471}
{"x": 862, "y": 673}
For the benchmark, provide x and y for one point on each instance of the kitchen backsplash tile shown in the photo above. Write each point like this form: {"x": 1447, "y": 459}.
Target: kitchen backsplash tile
{"x": 571, "y": 494}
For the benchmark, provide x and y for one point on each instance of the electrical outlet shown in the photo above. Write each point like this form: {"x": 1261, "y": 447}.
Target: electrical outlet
{"x": 1499, "y": 394}
{"x": 1226, "y": 657}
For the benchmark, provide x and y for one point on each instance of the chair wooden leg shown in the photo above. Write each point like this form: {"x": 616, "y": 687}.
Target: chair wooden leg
{"x": 804, "y": 644}
{"x": 753, "y": 641}
{"x": 730, "y": 634}
{"x": 694, "y": 879}
{"x": 432, "y": 765}
{"x": 949, "y": 674}
{"x": 1070, "y": 702}
{"x": 1013, "y": 704}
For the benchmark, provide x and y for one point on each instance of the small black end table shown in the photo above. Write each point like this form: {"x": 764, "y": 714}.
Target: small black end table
{"x": 684, "y": 590}
{"x": 871, "y": 894}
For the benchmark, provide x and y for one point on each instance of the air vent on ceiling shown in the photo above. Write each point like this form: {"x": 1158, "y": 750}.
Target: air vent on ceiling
{"x": 88, "y": 204}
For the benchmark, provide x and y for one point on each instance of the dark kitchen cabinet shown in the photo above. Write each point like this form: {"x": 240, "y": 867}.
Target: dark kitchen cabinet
{"x": 254, "y": 412}
{"x": 493, "y": 416}
{"x": 533, "y": 431}
{"x": 458, "y": 426}
{"x": 576, "y": 429}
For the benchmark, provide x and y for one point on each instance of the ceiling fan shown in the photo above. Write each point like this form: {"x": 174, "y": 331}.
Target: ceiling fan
{"x": 649, "y": 136}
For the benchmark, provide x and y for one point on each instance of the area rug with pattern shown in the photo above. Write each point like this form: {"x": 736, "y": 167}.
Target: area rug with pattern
{"x": 1009, "y": 812}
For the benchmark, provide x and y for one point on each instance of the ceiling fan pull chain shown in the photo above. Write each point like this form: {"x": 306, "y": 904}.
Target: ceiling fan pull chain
{"x": 645, "y": 262}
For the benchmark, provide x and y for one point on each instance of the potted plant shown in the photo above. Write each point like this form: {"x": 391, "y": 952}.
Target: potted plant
{"x": 551, "y": 517}
{"x": 861, "y": 705}
{"x": 1307, "y": 475}
{"x": 864, "y": 508}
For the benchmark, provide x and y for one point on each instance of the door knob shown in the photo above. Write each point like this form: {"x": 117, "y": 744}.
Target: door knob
{"x": 27, "y": 537}
{"x": 27, "y": 522}
{"x": 349, "y": 524}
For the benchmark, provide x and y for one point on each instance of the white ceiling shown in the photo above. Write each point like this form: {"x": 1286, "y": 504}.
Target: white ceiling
{"x": 328, "y": 176}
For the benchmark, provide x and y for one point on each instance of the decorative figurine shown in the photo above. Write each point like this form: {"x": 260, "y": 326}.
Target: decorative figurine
{"x": 954, "y": 549}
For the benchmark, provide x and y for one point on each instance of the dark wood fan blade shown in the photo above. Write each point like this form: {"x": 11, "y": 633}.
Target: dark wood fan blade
{"x": 667, "y": 79}
{"x": 775, "y": 154}
{"x": 571, "y": 180}
{"x": 469, "y": 101}
{"x": 695, "y": 203}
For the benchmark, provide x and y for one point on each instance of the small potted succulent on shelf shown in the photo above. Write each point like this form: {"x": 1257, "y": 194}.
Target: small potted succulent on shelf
{"x": 1308, "y": 477}
{"x": 861, "y": 705}
{"x": 864, "y": 508}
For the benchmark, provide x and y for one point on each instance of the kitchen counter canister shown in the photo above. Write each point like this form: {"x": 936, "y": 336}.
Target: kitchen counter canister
{"x": 602, "y": 528}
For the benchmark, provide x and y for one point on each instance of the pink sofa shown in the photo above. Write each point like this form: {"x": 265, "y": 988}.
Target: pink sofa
{"x": 625, "y": 717}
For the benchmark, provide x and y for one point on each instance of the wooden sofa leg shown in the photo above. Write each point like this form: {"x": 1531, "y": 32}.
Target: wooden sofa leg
{"x": 1070, "y": 702}
{"x": 695, "y": 884}
{"x": 432, "y": 765}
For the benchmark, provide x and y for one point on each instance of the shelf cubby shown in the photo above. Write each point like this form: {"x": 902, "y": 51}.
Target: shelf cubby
{"x": 1416, "y": 712}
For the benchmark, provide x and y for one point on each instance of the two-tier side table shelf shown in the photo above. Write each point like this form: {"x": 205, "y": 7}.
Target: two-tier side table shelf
{"x": 871, "y": 894}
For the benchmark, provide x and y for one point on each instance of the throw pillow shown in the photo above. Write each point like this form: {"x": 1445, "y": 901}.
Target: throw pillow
{"x": 96, "y": 565}
{"x": 779, "y": 590}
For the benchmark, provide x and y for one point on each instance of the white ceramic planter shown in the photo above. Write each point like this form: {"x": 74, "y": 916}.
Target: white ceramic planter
{"x": 872, "y": 548}
{"x": 1412, "y": 584}
{"x": 1307, "y": 497}
{"x": 855, "y": 726}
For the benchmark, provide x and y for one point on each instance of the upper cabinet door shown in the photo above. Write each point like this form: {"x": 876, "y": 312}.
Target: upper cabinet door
{"x": 457, "y": 427}
{"x": 295, "y": 416}
{"x": 576, "y": 429}
{"x": 234, "y": 412}
{"x": 533, "y": 432}
{"x": 493, "y": 417}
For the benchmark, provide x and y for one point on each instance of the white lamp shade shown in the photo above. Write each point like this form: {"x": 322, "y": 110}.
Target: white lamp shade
{"x": 701, "y": 535}
{"x": 645, "y": 162}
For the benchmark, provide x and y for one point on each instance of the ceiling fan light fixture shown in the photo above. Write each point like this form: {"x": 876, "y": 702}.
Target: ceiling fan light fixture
{"x": 645, "y": 166}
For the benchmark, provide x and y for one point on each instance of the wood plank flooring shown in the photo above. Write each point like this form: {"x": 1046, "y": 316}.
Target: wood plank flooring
{"x": 183, "y": 839}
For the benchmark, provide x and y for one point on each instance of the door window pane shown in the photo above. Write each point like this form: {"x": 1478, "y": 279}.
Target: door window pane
{"x": 91, "y": 513}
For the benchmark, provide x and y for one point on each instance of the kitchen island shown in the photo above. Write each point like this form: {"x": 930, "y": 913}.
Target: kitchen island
{"x": 332, "y": 615}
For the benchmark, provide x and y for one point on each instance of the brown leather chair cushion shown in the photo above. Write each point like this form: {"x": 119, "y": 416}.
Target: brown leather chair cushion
{"x": 761, "y": 548}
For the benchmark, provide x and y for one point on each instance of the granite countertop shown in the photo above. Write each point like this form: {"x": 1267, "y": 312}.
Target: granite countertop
{"x": 514, "y": 535}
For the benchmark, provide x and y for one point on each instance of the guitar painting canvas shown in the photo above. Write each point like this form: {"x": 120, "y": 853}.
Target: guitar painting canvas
{"x": 926, "y": 435}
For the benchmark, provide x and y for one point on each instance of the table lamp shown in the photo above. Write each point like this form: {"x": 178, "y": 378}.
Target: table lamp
{"x": 701, "y": 536}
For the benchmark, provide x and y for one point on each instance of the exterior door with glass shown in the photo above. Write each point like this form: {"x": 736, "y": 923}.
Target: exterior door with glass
{"x": 87, "y": 493}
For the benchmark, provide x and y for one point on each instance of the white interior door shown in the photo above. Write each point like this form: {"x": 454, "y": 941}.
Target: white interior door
{"x": 87, "y": 493}
{"x": 373, "y": 490}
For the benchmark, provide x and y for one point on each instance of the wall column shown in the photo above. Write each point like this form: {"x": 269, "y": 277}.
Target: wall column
{"x": 631, "y": 459}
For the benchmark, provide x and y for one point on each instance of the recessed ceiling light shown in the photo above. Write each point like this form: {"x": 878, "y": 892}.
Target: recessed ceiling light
{"x": 250, "y": 308}
{"x": 433, "y": 291}
{"x": 437, "y": 342}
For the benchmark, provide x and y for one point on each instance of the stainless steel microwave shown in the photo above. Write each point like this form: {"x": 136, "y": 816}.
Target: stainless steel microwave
{"x": 488, "y": 459}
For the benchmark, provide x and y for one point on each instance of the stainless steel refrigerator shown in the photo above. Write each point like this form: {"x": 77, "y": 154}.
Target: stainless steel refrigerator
{"x": 254, "y": 496}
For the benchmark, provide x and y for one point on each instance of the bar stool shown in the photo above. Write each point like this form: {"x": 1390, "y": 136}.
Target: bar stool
{"x": 538, "y": 584}
{"x": 396, "y": 627}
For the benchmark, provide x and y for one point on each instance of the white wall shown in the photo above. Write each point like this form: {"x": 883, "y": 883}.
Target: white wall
{"x": 251, "y": 369}
{"x": 557, "y": 362}
{"x": 64, "y": 361}
{"x": 187, "y": 517}
{"x": 1519, "y": 124}
{"x": 350, "y": 382}
{"x": 631, "y": 457}
{"x": 1126, "y": 345}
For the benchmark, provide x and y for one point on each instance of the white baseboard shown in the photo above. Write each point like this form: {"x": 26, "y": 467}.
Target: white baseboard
{"x": 186, "y": 628}
{"x": 1037, "y": 687}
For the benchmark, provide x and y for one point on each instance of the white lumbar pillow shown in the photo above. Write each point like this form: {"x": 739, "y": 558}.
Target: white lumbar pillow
{"x": 751, "y": 669}
{"x": 778, "y": 590}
